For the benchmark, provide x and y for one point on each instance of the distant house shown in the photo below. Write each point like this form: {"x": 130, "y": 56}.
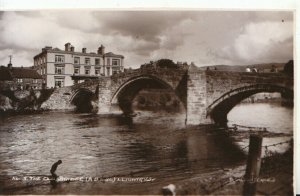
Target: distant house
{"x": 26, "y": 78}
{"x": 19, "y": 78}
{"x": 6, "y": 79}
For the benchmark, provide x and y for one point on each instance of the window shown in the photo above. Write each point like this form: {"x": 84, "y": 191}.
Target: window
{"x": 20, "y": 87}
{"x": 97, "y": 61}
{"x": 76, "y": 70}
{"x": 107, "y": 61}
{"x": 59, "y": 82}
{"x": 87, "y": 71}
{"x": 97, "y": 72}
{"x": 115, "y": 62}
{"x": 59, "y": 58}
{"x": 115, "y": 70}
{"x": 19, "y": 80}
{"x": 27, "y": 86}
{"x": 108, "y": 71}
{"x": 59, "y": 70}
{"x": 87, "y": 61}
{"x": 35, "y": 81}
{"x": 76, "y": 60}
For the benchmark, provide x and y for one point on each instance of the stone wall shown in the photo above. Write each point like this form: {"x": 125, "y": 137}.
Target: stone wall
{"x": 59, "y": 100}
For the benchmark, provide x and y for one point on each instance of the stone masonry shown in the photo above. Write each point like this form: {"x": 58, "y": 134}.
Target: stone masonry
{"x": 197, "y": 89}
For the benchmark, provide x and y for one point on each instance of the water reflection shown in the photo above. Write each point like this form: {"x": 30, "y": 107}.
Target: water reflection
{"x": 277, "y": 119}
{"x": 111, "y": 145}
{"x": 156, "y": 145}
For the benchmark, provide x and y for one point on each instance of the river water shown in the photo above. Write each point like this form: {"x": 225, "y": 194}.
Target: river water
{"x": 156, "y": 145}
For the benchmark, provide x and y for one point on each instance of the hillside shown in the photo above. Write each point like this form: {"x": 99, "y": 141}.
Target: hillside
{"x": 262, "y": 67}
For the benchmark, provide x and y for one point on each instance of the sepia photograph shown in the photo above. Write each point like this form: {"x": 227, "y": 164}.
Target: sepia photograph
{"x": 147, "y": 102}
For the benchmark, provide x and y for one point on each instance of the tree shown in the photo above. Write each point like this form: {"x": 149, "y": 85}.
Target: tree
{"x": 289, "y": 68}
{"x": 166, "y": 63}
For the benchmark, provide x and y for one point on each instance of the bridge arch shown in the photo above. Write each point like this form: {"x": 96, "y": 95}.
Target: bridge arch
{"x": 127, "y": 91}
{"x": 82, "y": 99}
{"x": 220, "y": 107}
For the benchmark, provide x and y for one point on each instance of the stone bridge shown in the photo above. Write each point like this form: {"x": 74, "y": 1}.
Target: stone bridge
{"x": 207, "y": 95}
{"x": 212, "y": 94}
{"x": 73, "y": 97}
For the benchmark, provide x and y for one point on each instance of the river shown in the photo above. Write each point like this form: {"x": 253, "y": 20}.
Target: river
{"x": 155, "y": 145}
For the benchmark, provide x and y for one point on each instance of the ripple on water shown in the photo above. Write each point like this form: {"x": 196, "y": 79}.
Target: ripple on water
{"x": 93, "y": 145}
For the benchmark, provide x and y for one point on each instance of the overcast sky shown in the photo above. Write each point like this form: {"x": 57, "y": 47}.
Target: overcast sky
{"x": 202, "y": 37}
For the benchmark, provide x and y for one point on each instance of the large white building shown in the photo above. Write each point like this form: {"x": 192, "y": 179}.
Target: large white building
{"x": 66, "y": 67}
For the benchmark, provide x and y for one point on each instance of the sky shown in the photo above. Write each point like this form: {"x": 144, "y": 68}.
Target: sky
{"x": 202, "y": 37}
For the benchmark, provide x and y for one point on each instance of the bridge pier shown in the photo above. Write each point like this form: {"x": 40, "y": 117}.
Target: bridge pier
{"x": 105, "y": 94}
{"x": 196, "y": 98}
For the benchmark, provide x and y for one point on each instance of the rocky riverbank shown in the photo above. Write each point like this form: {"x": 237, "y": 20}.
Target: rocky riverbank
{"x": 22, "y": 101}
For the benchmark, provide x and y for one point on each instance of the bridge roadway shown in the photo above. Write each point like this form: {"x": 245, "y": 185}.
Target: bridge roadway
{"x": 207, "y": 95}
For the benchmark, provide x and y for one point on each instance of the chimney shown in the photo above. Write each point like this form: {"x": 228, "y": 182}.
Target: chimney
{"x": 83, "y": 50}
{"x": 9, "y": 65}
{"x": 46, "y": 48}
{"x": 72, "y": 48}
{"x": 67, "y": 47}
{"x": 101, "y": 50}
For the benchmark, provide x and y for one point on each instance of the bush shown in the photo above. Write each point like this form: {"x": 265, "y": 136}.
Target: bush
{"x": 166, "y": 63}
{"x": 289, "y": 68}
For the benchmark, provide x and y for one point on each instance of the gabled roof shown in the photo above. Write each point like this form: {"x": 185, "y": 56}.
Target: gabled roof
{"x": 20, "y": 72}
{"x": 5, "y": 74}
{"x": 56, "y": 49}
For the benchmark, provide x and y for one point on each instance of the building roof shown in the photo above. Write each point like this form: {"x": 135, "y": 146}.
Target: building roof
{"x": 56, "y": 49}
{"x": 5, "y": 74}
{"x": 49, "y": 49}
{"x": 110, "y": 54}
{"x": 20, "y": 72}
